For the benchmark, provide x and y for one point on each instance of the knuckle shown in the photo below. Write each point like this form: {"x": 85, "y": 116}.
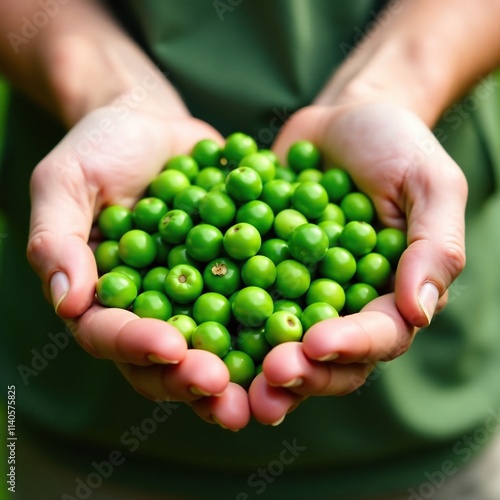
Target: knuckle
{"x": 454, "y": 258}
{"x": 399, "y": 350}
{"x": 355, "y": 382}
{"x": 38, "y": 247}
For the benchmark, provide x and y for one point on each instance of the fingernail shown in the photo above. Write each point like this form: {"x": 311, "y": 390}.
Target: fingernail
{"x": 59, "y": 288}
{"x": 428, "y": 296}
{"x": 329, "y": 357}
{"x": 155, "y": 358}
{"x": 199, "y": 392}
{"x": 216, "y": 420}
{"x": 278, "y": 422}
{"x": 293, "y": 383}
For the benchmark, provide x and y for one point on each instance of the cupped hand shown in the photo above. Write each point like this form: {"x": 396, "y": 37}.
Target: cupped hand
{"x": 394, "y": 158}
{"x": 107, "y": 158}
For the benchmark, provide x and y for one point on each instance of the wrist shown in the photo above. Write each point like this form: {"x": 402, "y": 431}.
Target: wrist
{"x": 86, "y": 61}
{"x": 401, "y": 72}
{"x": 421, "y": 57}
{"x": 82, "y": 77}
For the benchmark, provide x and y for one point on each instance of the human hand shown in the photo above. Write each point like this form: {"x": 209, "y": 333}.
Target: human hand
{"x": 393, "y": 157}
{"x": 67, "y": 193}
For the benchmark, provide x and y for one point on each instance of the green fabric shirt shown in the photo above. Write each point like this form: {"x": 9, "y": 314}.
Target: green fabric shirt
{"x": 248, "y": 65}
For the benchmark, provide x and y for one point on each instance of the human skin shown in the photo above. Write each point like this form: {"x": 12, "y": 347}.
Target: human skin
{"x": 374, "y": 117}
{"x": 387, "y": 95}
{"x": 132, "y": 138}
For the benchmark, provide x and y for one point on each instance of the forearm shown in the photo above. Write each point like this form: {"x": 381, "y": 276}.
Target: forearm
{"x": 423, "y": 54}
{"x": 80, "y": 59}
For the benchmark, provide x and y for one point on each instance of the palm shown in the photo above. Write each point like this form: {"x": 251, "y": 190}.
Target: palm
{"x": 116, "y": 167}
{"x": 133, "y": 151}
{"x": 394, "y": 158}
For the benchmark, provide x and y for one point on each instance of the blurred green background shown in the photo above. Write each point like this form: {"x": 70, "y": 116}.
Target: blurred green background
{"x": 3, "y": 423}
{"x": 3, "y": 99}
{"x": 3, "y": 106}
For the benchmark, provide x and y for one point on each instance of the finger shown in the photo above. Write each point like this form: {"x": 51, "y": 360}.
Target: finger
{"x": 305, "y": 124}
{"x": 121, "y": 336}
{"x": 68, "y": 189}
{"x": 61, "y": 218}
{"x": 270, "y": 404}
{"x": 436, "y": 198}
{"x": 378, "y": 332}
{"x": 288, "y": 366}
{"x": 199, "y": 374}
{"x": 230, "y": 410}
{"x": 421, "y": 184}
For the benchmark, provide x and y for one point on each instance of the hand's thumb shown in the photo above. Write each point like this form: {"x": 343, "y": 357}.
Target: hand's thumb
{"x": 61, "y": 218}
{"x": 436, "y": 252}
